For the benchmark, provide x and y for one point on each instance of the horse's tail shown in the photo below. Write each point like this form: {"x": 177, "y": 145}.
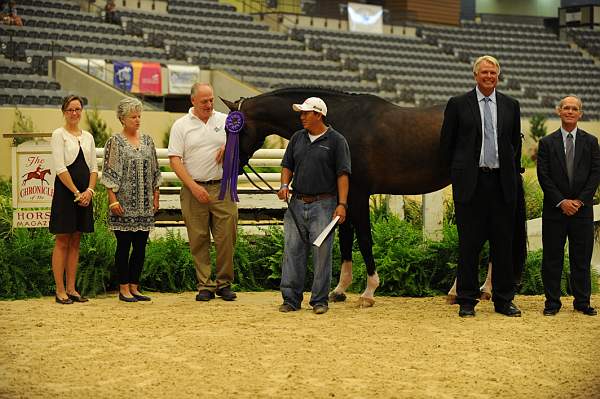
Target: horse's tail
{"x": 520, "y": 234}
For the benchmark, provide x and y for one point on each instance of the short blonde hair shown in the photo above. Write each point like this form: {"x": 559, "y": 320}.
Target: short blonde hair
{"x": 562, "y": 102}
{"x": 487, "y": 58}
{"x": 127, "y": 106}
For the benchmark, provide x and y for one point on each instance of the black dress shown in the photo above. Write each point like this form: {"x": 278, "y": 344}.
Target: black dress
{"x": 66, "y": 216}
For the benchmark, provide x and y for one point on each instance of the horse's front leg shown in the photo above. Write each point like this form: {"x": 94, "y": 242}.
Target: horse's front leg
{"x": 362, "y": 224}
{"x": 346, "y": 235}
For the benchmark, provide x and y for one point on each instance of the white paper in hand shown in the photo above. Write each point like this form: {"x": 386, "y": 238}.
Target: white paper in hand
{"x": 326, "y": 232}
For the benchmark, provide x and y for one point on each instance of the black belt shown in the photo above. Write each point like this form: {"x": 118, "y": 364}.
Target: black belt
{"x": 307, "y": 199}
{"x": 485, "y": 169}
{"x": 209, "y": 182}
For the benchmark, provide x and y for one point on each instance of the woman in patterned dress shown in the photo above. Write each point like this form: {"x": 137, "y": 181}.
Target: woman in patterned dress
{"x": 132, "y": 177}
{"x": 75, "y": 165}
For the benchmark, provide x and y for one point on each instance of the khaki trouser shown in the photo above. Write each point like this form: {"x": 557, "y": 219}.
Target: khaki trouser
{"x": 218, "y": 218}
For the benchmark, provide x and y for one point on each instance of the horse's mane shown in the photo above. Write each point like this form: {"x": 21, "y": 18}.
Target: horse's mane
{"x": 311, "y": 89}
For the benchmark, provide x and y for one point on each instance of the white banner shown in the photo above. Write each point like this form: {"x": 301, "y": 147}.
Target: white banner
{"x": 182, "y": 77}
{"x": 365, "y": 18}
{"x": 95, "y": 67}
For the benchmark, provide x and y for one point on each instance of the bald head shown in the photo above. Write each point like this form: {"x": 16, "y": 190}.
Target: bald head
{"x": 203, "y": 100}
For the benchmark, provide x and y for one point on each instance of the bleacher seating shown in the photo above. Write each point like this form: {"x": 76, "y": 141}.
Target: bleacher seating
{"x": 542, "y": 66}
{"x": 537, "y": 68}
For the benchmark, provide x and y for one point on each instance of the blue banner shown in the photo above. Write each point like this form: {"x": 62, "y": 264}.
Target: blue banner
{"x": 123, "y": 75}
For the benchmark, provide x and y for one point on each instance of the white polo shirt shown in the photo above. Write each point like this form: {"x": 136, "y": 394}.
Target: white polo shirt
{"x": 65, "y": 148}
{"x": 197, "y": 143}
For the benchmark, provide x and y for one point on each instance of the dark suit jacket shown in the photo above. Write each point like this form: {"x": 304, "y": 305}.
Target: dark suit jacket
{"x": 552, "y": 173}
{"x": 461, "y": 138}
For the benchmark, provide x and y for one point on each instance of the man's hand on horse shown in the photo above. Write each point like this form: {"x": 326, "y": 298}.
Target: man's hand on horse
{"x": 340, "y": 210}
{"x": 220, "y": 154}
{"x": 200, "y": 194}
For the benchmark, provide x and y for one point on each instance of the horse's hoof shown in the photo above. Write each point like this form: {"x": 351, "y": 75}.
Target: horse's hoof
{"x": 365, "y": 302}
{"x": 451, "y": 299}
{"x": 337, "y": 296}
{"x": 485, "y": 296}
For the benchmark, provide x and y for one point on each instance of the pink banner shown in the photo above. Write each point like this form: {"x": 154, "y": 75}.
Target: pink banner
{"x": 150, "y": 78}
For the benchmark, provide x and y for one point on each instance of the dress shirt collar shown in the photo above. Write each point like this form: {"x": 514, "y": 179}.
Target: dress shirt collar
{"x": 564, "y": 133}
{"x": 480, "y": 95}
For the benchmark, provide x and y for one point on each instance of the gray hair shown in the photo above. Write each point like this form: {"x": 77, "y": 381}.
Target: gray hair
{"x": 196, "y": 86}
{"x": 127, "y": 106}
{"x": 562, "y": 102}
{"x": 487, "y": 58}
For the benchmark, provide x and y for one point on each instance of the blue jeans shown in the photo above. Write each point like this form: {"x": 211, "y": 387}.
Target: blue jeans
{"x": 312, "y": 218}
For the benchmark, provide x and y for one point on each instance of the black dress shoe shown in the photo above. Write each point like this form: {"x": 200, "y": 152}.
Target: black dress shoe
{"x": 61, "y": 301}
{"x": 466, "y": 311}
{"x": 226, "y": 293}
{"x": 140, "y": 297}
{"x": 77, "y": 298}
{"x": 550, "y": 311}
{"x": 588, "y": 311}
{"x": 508, "y": 309}
{"x": 205, "y": 296}
{"x": 126, "y": 299}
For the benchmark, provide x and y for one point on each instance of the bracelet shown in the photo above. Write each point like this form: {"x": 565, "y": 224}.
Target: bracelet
{"x": 76, "y": 193}
{"x": 283, "y": 185}
{"x": 111, "y": 206}
{"x": 343, "y": 204}
{"x": 92, "y": 190}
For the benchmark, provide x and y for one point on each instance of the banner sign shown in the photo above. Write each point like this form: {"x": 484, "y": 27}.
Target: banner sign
{"x": 365, "y": 18}
{"x": 94, "y": 66}
{"x": 123, "y": 78}
{"x": 33, "y": 183}
{"x": 182, "y": 77}
{"x": 150, "y": 78}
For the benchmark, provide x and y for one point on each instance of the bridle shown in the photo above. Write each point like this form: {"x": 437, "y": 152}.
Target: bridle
{"x": 303, "y": 235}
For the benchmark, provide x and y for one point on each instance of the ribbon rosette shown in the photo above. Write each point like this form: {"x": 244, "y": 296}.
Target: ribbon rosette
{"x": 231, "y": 160}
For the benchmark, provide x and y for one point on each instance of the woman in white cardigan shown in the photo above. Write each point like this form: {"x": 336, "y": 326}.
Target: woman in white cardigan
{"x": 75, "y": 165}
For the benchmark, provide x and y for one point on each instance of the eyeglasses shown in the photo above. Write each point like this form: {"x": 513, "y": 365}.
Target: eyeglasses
{"x": 569, "y": 108}
{"x": 74, "y": 110}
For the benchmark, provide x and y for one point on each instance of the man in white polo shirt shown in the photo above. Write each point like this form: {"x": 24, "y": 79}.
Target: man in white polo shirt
{"x": 196, "y": 147}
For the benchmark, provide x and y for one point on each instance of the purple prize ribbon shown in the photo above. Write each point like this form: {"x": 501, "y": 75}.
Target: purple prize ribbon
{"x": 231, "y": 160}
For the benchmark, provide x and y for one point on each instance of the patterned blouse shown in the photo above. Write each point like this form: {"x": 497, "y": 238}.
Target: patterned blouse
{"x": 133, "y": 175}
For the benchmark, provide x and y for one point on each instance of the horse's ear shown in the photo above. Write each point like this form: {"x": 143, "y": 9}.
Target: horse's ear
{"x": 230, "y": 105}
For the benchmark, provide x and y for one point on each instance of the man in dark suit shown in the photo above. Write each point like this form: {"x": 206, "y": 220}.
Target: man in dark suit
{"x": 568, "y": 168}
{"x": 481, "y": 144}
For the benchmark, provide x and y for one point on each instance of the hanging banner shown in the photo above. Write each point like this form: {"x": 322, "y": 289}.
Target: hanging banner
{"x": 94, "y": 66}
{"x": 150, "y": 78}
{"x": 33, "y": 184}
{"x": 146, "y": 78}
{"x": 365, "y": 18}
{"x": 182, "y": 77}
{"x": 123, "y": 78}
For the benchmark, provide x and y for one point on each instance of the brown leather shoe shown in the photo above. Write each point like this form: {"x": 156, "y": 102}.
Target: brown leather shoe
{"x": 205, "y": 296}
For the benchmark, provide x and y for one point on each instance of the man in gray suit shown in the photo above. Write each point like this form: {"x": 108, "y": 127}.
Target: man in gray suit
{"x": 568, "y": 168}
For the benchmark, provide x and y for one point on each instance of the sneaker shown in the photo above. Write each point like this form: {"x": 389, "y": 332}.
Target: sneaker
{"x": 205, "y": 295}
{"x": 286, "y": 307}
{"x": 320, "y": 309}
{"x": 226, "y": 293}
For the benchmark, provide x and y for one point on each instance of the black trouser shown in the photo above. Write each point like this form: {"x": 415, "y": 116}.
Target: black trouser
{"x": 580, "y": 232}
{"x": 486, "y": 217}
{"x": 129, "y": 268}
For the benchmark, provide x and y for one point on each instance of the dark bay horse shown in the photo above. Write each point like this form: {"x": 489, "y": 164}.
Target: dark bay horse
{"x": 394, "y": 150}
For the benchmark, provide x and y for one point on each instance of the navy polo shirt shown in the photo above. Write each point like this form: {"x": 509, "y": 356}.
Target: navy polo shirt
{"x": 317, "y": 165}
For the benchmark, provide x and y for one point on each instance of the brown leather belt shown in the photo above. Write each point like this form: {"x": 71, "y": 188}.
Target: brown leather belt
{"x": 307, "y": 199}
{"x": 208, "y": 182}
